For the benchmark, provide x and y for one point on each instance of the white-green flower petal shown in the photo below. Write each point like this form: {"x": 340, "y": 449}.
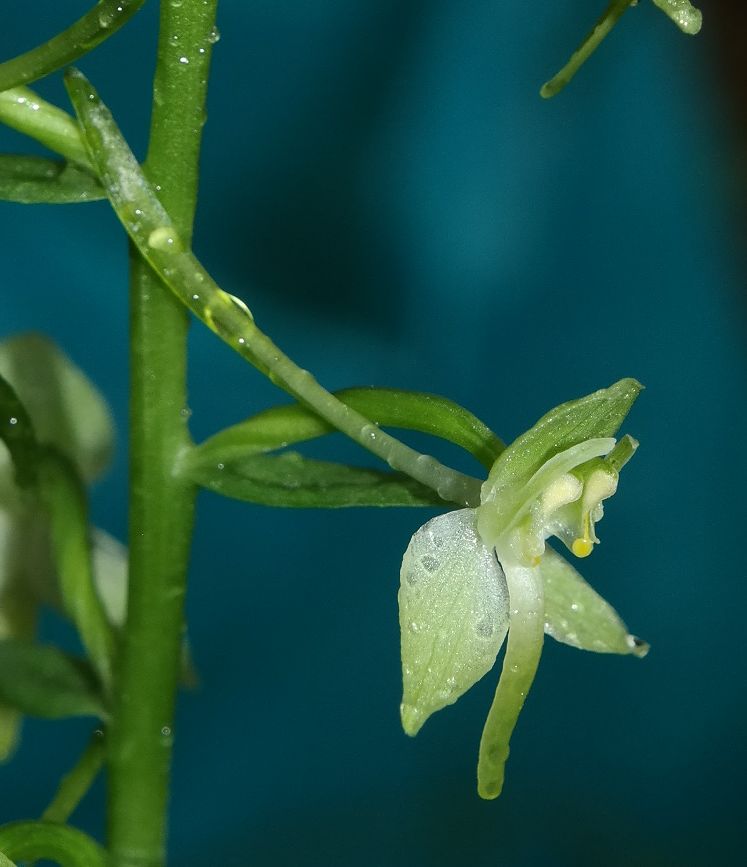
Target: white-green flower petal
{"x": 66, "y": 409}
{"x": 453, "y": 611}
{"x": 576, "y": 614}
{"x": 109, "y": 561}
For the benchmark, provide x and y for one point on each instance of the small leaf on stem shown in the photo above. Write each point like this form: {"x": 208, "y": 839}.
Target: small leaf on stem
{"x": 30, "y": 180}
{"x": 291, "y": 480}
{"x": 42, "y": 681}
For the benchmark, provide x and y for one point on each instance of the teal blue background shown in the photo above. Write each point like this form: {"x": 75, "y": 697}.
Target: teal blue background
{"x": 385, "y": 188}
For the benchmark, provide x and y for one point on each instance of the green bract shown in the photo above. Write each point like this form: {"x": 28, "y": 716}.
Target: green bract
{"x": 469, "y": 577}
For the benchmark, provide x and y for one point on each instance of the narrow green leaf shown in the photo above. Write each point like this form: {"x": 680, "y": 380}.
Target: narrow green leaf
{"x": 43, "y": 681}
{"x": 453, "y": 615}
{"x": 17, "y": 432}
{"x": 291, "y": 480}
{"x": 577, "y": 615}
{"x": 286, "y": 425}
{"x": 66, "y": 409}
{"x": 62, "y": 844}
{"x": 33, "y": 180}
{"x": 96, "y": 25}
{"x": 64, "y": 496}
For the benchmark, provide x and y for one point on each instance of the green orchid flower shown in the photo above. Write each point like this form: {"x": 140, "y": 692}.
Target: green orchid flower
{"x": 471, "y": 577}
{"x": 69, "y": 415}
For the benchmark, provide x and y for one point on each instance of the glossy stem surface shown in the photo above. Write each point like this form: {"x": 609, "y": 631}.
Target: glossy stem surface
{"x": 161, "y": 505}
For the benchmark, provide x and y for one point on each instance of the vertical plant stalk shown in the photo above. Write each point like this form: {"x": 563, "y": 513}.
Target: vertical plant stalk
{"x": 161, "y": 505}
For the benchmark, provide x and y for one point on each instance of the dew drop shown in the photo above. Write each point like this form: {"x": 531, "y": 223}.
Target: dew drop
{"x": 13, "y": 420}
{"x": 214, "y": 36}
{"x": 165, "y": 239}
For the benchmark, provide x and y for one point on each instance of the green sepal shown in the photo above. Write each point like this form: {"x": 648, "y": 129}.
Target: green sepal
{"x": 575, "y": 431}
{"x": 683, "y": 13}
{"x": 43, "y": 681}
{"x": 31, "y": 180}
{"x": 66, "y": 409}
{"x": 453, "y": 614}
{"x": 66, "y": 846}
{"x": 575, "y": 614}
{"x": 291, "y": 480}
{"x": 17, "y": 432}
{"x": 285, "y": 425}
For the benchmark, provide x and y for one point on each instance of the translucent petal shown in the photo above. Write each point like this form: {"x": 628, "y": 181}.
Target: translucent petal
{"x": 109, "y": 557}
{"x": 453, "y": 609}
{"x": 576, "y": 614}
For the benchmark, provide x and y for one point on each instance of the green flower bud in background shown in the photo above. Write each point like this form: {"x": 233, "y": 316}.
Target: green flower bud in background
{"x": 69, "y": 415}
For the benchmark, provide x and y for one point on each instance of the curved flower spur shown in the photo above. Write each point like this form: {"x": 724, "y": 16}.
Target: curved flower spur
{"x": 472, "y": 576}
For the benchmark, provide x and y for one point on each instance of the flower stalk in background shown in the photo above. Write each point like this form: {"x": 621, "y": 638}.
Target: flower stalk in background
{"x": 472, "y": 576}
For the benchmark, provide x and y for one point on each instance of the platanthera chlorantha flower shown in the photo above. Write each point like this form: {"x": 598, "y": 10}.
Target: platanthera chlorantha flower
{"x": 70, "y": 415}
{"x": 472, "y": 576}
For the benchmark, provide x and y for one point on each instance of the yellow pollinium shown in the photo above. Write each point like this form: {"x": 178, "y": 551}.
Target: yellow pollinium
{"x": 582, "y": 547}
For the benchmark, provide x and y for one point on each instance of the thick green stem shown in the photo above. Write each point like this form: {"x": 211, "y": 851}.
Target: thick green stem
{"x": 161, "y": 505}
